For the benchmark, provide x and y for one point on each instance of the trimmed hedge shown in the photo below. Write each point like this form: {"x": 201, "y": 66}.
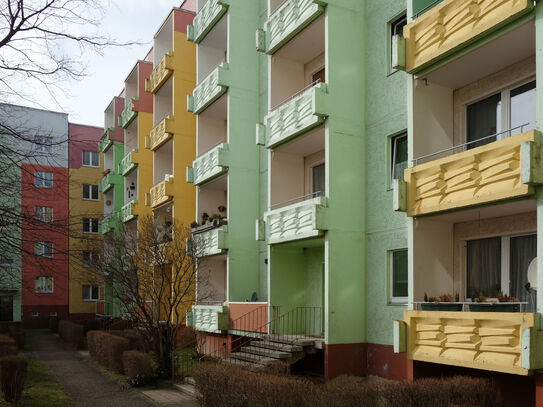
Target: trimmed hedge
{"x": 72, "y": 334}
{"x": 231, "y": 386}
{"x": 8, "y": 346}
{"x": 18, "y": 335}
{"x": 135, "y": 338}
{"x": 120, "y": 325}
{"x": 12, "y": 377}
{"x": 107, "y": 349}
{"x": 88, "y": 324}
{"x": 137, "y": 363}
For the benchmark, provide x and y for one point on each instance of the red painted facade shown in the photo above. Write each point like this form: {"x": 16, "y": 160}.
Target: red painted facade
{"x": 182, "y": 18}
{"x": 82, "y": 138}
{"x": 32, "y": 232}
{"x": 145, "y": 102}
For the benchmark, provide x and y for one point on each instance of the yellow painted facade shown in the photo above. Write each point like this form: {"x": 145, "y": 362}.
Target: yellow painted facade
{"x": 455, "y": 23}
{"x": 481, "y": 175}
{"x": 79, "y": 241}
{"x": 480, "y": 340}
{"x": 145, "y": 164}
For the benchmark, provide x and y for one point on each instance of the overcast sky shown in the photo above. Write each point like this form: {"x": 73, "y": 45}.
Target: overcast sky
{"x": 124, "y": 20}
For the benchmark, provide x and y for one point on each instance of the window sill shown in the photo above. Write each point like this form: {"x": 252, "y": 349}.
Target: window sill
{"x": 399, "y": 303}
{"x": 90, "y": 199}
{"x": 40, "y": 186}
{"x": 90, "y": 166}
{"x": 84, "y": 300}
{"x": 91, "y": 233}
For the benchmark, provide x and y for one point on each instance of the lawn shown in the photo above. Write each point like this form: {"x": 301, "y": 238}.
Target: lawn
{"x": 41, "y": 388}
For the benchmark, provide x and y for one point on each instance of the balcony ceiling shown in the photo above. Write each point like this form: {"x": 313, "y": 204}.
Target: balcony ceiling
{"x": 217, "y": 185}
{"x": 217, "y": 110}
{"x": 307, "y": 45}
{"x": 305, "y": 145}
{"x": 216, "y": 38}
{"x": 507, "y": 49}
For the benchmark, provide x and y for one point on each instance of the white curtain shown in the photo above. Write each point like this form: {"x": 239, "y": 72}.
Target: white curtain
{"x": 484, "y": 267}
{"x": 523, "y": 251}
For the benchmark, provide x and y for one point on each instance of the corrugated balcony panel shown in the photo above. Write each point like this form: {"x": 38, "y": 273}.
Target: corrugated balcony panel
{"x": 206, "y": 19}
{"x": 210, "y": 165}
{"x": 108, "y": 223}
{"x": 210, "y": 89}
{"x": 290, "y": 19}
{"x": 161, "y": 73}
{"x": 162, "y": 132}
{"x": 110, "y": 179}
{"x": 162, "y": 192}
{"x": 211, "y": 242}
{"x": 129, "y": 211}
{"x": 105, "y": 142}
{"x": 129, "y": 113}
{"x": 210, "y": 318}
{"x": 301, "y": 220}
{"x": 129, "y": 162}
{"x": 454, "y": 24}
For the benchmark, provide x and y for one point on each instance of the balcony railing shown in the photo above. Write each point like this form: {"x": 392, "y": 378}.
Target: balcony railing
{"x": 162, "y": 192}
{"x": 109, "y": 222}
{"x": 290, "y": 19}
{"x": 110, "y": 179}
{"x": 105, "y": 141}
{"x": 161, "y": 133}
{"x": 206, "y": 19}
{"x": 210, "y": 165}
{"x": 497, "y": 341}
{"x": 161, "y": 73}
{"x": 129, "y": 114}
{"x": 209, "y": 90}
{"x": 454, "y": 24}
{"x": 129, "y": 211}
{"x": 493, "y": 172}
{"x": 129, "y": 162}
{"x": 297, "y": 221}
{"x": 296, "y": 115}
{"x": 210, "y": 242}
{"x": 208, "y": 318}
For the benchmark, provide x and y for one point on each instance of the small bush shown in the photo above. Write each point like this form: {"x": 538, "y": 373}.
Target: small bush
{"x": 120, "y": 325}
{"x": 88, "y": 324}
{"x": 107, "y": 349}
{"x": 135, "y": 339}
{"x": 139, "y": 367}
{"x": 18, "y": 335}
{"x": 12, "y": 377}
{"x": 72, "y": 334}
{"x": 8, "y": 346}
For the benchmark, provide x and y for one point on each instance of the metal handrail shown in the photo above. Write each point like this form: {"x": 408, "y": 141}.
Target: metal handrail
{"x": 416, "y": 160}
{"x": 312, "y": 84}
{"x": 422, "y": 11}
{"x": 211, "y": 148}
{"x": 302, "y": 198}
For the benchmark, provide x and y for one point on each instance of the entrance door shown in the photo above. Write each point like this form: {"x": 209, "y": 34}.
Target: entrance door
{"x": 6, "y": 308}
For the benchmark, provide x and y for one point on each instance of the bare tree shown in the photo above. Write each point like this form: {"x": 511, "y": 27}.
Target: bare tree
{"x": 154, "y": 278}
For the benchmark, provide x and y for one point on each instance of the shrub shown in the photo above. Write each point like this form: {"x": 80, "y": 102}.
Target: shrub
{"x": 185, "y": 337}
{"x": 107, "y": 349}
{"x": 72, "y": 334}
{"x": 120, "y": 325}
{"x": 135, "y": 339}
{"x": 8, "y": 346}
{"x": 88, "y": 324}
{"x": 18, "y": 335}
{"x": 139, "y": 367}
{"x": 12, "y": 377}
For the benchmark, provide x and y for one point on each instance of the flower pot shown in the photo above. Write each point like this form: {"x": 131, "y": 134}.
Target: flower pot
{"x": 494, "y": 307}
{"x": 441, "y": 306}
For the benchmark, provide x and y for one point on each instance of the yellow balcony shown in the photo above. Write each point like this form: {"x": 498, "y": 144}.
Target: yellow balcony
{"x": 454, "y": 24}
{"x": 499, "y": 341}
{"x": 160, "y": 73}
{"x": 500, "y": 170}
{"x": 162, "y": 193}
{"x": 161, "y": 133}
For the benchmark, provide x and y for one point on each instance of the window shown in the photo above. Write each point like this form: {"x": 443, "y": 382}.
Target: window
{"x": 90, "y": 192}
{"x": 396, "y": 28}
{"x": 91, "y": 159}
{"x": 35, "y": 314}
{"x": 399, "y": 276}
{"x": 53, "y": 314}
{"x": 88, "y": 258}
{"x": 91, "y": 293}
{"x": 43, "y": 214}
{"x": 43, "y": 284}
{"x": 90, "y": 225}
{"x": 43, "y": 144}
{"x": 500, "y": 264}
{"x": 398, "y": 156}
{"x": 43, "y": 179}
{"x": 43, "y": 249}
{"x": 511, "y": 109}
{"x": 318, "y": 179}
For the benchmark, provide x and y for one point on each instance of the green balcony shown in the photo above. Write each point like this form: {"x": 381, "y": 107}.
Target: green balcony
{"x": 209, "y": 90}
{"x": 105, "y": 141}
{"x": 210, "y": 165}
{"x": 129, "y": 211}
{"x": 210, "y": 318}
{"x": 289, "y": 20}
{"x": 298, "y": 221}
{"x": 109, "y": 223}
{"x": 109, "y": 180}
{"x": 210, "y": 242}
{"x": 129, "y": 114}
{"x": 206, "y": 19}
{"x": 129, "y": 162}
{"x": 299, "y": 114}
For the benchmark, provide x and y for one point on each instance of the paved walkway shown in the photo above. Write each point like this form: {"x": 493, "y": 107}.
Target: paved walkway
{"x": 86, "y": 385}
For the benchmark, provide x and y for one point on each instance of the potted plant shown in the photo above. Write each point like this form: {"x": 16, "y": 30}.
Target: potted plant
{"x": 503, "y": 304}
{"x": 445, "y": 302}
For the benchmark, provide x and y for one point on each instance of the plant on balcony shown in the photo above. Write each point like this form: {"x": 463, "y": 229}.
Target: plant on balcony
{"x": 445, "y": 302}
{"x": 503, "y": 304}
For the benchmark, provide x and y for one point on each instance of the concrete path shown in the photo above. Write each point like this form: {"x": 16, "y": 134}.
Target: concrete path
{"x": 86, "y": 385}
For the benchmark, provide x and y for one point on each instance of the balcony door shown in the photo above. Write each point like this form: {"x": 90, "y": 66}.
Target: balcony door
{"x": 6, "y": 308}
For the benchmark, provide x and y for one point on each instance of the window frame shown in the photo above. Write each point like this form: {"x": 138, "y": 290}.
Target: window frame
{"x": 38, "y": 175}
{"x": 91, "y": 154}
{"x": 90, "y": 222}
{"x": 90, "y": 291}
{"x": 44, "y": 279}
{"x": 391, "y": 299}
{"x": 390, "y": 35}
{"x": 40, "y": 144}
{"x": 41, "y": 218}
{"x": 392, "y": 154}
{"x": 41, "y": 244}
{"x": 87, "y": 263}
{"x": 90, "y": 187}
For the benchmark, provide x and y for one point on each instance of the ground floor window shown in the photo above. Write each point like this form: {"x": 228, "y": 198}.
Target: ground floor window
{"x": 399, "y": 276}
{"x": 91, "y": 293}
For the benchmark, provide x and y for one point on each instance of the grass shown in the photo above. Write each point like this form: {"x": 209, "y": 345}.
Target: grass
{"x": 121, "y": 380}
{"x": 41, "y": 388}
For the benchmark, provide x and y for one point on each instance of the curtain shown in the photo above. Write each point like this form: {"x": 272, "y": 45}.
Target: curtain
{"x": 319, "y": 180}
{"x": 484, "y": 267}
{"x": 484, "y": 119}
{"x": 523, "y": 251}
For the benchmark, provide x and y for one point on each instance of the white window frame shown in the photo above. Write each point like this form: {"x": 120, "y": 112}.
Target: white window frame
{"x": 90, "y": 224}
{"x": 392, "y": 152}
{"x": 40, "y": 213}
{"x": 43, "y": 283}
{"x": 91, "y": 153}
{"x": 41, "y": 245}
{"x": 311, "y": 161}
{"x": 53, "y": 314}
{"x": 90, "y": 187}
{"x": 391, "y": 24}
{"x": 40, "y": 180}
{"x": 35, "y": 314}
{"x": 43, "y": 143}
{"x": 91, "y": 287}
{"x": 392, "y": 299}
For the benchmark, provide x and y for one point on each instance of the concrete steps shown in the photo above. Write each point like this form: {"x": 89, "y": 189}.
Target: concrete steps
{"x": 266, "y": 352}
